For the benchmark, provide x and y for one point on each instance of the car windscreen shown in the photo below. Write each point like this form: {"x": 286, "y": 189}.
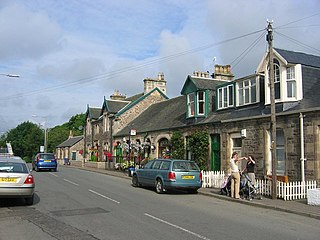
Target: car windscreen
{"x": 185, "y": 166}
{"x": 46, "y": 156}
{"x": 12, "y": 167}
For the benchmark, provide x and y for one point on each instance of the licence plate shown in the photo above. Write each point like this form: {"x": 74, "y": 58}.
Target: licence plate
{"x": 47, "y": 160}
{"x": 187, "y": 177}
{"x": 8, "y": 179}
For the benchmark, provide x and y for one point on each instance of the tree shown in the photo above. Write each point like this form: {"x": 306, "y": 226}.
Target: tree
{"x": 177, "y": 145}
{"x": 198, "y": 144}
{"x": 59, "y": 134}
{"x": 26, "y": 139}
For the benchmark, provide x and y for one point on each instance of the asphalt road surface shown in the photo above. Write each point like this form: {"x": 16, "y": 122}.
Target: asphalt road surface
{"x": 77, "y": 204}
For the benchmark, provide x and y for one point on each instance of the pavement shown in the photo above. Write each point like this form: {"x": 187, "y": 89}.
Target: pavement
{"x": 299, "y": 207}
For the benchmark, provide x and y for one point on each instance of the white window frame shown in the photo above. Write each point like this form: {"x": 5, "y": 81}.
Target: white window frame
{"x": 225, "y": 97}
{"x": 203, "y": 101}
{"x": 277, "y": 78}
{"x": 291, "y": 83}
{"x": 191, "y": 104}
{"x": 247, "y": 92}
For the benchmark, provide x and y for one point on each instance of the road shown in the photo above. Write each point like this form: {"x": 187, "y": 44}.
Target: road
{"x": 77, "y": 204}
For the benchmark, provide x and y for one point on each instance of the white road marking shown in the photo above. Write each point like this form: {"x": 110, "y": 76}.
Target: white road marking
{"x": 71, "y": 182}
{"x": 176, "y": 226}
{"x": 54, "y": 174}
{"x": 99, "y": 194}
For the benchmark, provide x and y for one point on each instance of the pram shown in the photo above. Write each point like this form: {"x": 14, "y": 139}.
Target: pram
{"x": 247, "y": 189}
{"x": 226, "y": 186}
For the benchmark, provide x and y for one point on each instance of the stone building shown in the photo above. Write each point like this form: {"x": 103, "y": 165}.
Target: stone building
{"x": 115, "y": 114}
{"x": 71, "y": 149}
{"x": 235, "y": 114}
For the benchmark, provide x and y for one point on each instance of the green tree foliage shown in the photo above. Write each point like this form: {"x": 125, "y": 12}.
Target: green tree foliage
{"x": 198, "y": 144}
{"x": 61, "y": 133}
{"x": 56, "y": 136}
{"x": 26, "y": 139}
{"x": 177, "y": 145}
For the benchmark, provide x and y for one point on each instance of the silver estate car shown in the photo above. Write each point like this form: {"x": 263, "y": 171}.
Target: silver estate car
{"x": 16, "y": 180}
{"x": 165, "y": 174}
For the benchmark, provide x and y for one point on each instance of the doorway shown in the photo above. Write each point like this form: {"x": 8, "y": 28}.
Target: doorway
{"x": 215, "y": 152}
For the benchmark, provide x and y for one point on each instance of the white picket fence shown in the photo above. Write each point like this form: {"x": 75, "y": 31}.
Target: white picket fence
{"x": 286, "y": 191}
{"x": 212, "y": 179}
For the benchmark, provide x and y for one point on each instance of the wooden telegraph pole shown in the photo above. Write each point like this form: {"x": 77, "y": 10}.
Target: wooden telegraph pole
{"x": 273, "y": 112}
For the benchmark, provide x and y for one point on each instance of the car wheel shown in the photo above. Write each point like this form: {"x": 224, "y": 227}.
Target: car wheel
{"x": 135, "y": 181}
{"x": 159, "y": 186}
{"x": 29, "y": 200}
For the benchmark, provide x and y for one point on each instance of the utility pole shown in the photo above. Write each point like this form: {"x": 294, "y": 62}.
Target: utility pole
{"x": 273, "y": 112}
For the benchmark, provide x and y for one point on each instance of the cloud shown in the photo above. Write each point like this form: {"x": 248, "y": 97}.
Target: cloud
{"x": 26, "y": 34}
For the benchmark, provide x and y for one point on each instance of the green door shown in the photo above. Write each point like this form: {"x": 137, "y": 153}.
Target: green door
{"x": 215, "y": 152}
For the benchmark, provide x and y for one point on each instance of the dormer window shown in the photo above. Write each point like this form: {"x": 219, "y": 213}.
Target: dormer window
{"x": 201, "y": 103}
{"x": 190, "y": 104}
{"x": 196, "y": 104}
{"x": 247, "y": 91}
{"x": 225, "y": 97}
{"x": 277, "y": 83}
{"x": 291, "y": 82}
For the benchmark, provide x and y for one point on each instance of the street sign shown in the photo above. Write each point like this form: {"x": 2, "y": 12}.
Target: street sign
{"x": 133, "y": 132}
{"x": 42, "y": 149}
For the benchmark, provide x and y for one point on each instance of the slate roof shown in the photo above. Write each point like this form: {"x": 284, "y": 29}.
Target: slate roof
{"x": 115, "y": 106}
{"x": 196, "y": 83}
{"x": 164, "y": 115}
{"x": 299, "y": 57}
{"x": 70, "y": 142}
{"x": 134, "y": 97}
{"x": 93, "y": 112}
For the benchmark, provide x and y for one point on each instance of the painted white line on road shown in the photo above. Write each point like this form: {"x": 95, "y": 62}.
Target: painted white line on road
{"x": 176, "y": 226}
{"x": 99, "y": 194}
{"x": 71, "y": 182}
{"x": 54, "y": 174}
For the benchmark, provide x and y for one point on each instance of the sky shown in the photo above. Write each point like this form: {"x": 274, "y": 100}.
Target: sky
{"x": 71, "y": 54}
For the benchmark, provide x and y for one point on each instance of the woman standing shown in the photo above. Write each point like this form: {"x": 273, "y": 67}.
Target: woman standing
{"x": 250, "y": 169}
{"x": 235, "y": 175}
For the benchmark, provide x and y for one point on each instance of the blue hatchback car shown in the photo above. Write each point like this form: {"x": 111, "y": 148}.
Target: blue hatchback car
{"x": 44, "y": 161}
{"x": 166, "y": 174}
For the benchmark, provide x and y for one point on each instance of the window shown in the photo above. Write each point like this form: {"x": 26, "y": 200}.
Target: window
{"x": 156, "y": 165}
{"x": 291, "y": 82}
{"x": 165, "y": 165}
{"x": 201, "y": 103}
{"x": 247, "y": 91}
{"x": 225, "y": 97}
{"x": 277, "y": 89}
{"x": 190, "y": 104}
{"x": 105, "y": 123}
{"x": 280, "y": 152}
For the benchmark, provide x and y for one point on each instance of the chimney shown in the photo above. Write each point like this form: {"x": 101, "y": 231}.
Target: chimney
{"x": 117, "y": 96}
{"x": 201, "y": 74}
{"x": 160, "y": 83}
{"x": 70, "y": 134}
{"x": 223, "y": 72}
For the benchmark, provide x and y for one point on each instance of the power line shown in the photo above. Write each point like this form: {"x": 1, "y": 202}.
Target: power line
{"x": 238, "y": 59}
{"x": 126, "y": 69}
{"x": 299, "y": 20}
{"x": 298, "y": 42}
